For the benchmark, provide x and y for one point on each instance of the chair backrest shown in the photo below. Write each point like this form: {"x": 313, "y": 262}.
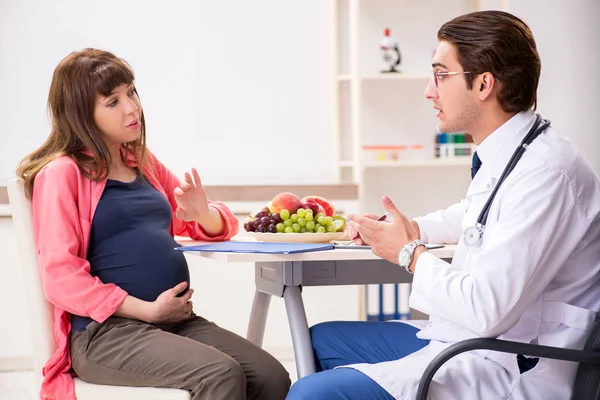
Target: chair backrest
{"x": 38, "y": 308}
{"x": 587, "y": 380}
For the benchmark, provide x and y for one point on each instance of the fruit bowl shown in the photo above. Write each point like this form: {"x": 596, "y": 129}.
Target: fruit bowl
{"x": 298, "y": 237}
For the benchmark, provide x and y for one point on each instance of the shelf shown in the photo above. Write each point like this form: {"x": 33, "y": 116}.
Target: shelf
{"x": 396, "y": 77}
{"x": 385, "y": 77}
{"x": 449, "y": 162}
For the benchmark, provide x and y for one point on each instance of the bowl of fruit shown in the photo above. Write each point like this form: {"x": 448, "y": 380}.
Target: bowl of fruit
{"x": 288, "y": 218}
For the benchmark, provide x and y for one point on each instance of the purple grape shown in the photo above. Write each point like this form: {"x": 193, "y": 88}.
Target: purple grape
{"x": 256, "y": 223}
{"x": 260, "y": 229}
{"x": 275, "y": 218}
{"x": 261, "y": 214}
{"x": 249, "y": 227}
{"x": 271, "y": 228}
{"x": 265, "y": 221}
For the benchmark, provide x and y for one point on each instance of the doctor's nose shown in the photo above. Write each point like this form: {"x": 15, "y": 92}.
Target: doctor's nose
{"x": 431, "y": 92}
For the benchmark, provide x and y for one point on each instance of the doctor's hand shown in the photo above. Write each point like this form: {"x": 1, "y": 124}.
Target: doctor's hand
{"x": 386, "y": 238}
{"x": 353, "y": 233}
{"x": 169, "y": 308}
{"x": 192, "y": 204}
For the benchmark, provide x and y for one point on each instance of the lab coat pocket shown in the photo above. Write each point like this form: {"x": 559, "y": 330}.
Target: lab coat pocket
{"x": 565, "y": 325}
{"x": 475, "y": 201}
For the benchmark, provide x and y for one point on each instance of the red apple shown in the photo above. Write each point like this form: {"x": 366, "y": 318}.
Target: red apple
{"x": 285, "y": 201}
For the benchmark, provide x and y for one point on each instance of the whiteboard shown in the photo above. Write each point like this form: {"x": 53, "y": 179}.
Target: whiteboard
{"x": 240, "y": 90}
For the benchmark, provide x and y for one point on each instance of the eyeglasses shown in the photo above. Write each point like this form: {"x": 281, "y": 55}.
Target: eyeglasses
{"x": 439, "y": 75}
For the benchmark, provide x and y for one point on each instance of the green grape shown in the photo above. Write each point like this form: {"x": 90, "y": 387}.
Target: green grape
{"x": 322, "y": 220}
{"x": 331, "y": 229}
{"x": 280, "y": 227}
{"x": 284, "y": 214}
{"x": 289, "y": 229}
{"x": 321, "y": 229}
{"x": 339, "y": 223}
{"x": 296, "y": 227}
{"x": 310, "y": 225}
{"x": 288, "y": 223}
{"x": 303, "y": 230}
{"x": 328, "y": 221}
{"x": 319, "y": 215}
{"x": 301, "y": 212}
{"x": 294, "y": 217}
{"x": 301, "y": 221}
{"x": 309, "y": 216}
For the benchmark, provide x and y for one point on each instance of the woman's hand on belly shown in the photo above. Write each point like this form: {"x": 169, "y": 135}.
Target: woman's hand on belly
{"x": 169, "y": 309}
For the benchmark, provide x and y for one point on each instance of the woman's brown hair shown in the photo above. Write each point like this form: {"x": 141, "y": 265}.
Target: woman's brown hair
{"x": 77, "y": 81}
{"x": 500, "y": 43}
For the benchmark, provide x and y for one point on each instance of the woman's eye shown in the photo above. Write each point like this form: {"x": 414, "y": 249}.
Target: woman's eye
{"x": 112, "y": 103}
{"x": 132, "y": 92}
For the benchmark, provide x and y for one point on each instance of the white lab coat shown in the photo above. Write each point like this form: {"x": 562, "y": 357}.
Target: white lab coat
{"x": 535, "y": 276}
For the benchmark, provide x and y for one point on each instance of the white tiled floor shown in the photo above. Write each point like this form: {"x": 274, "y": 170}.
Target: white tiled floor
{"x": 19, "y": 385}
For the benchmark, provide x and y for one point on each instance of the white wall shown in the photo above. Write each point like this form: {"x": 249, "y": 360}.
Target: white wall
{"x": 567, "y": 33}
{"x": 239, "y": 89}
{"x": 15, "y": 337}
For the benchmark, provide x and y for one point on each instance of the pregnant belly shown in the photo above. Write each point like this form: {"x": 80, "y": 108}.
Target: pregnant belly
{"x": 144, "y": 270}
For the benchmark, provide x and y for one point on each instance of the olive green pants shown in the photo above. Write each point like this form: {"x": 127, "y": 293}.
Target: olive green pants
{"x": 195, "y": 355}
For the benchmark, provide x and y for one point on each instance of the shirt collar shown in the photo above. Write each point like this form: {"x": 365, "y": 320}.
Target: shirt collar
{"x": 495, "y": 150}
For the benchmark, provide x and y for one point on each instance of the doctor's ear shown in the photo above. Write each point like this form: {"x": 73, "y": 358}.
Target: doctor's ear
{"x": 484, "y": 84}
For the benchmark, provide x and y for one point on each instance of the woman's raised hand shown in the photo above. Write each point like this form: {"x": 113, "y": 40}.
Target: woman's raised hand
{"x": 191, "y": 200}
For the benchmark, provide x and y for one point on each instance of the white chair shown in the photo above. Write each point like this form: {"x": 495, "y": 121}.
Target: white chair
{"x": 40, "y": 312}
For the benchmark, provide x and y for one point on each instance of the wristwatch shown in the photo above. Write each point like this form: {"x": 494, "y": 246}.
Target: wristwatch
{"x": 405, "y": 255}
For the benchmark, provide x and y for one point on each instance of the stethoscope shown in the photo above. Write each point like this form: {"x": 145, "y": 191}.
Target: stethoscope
{"x": 473, "y": 234}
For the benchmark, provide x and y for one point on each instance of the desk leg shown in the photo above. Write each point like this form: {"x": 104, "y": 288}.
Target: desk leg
{"x": 305, "y": 360}
{"x": 258, "y": 317}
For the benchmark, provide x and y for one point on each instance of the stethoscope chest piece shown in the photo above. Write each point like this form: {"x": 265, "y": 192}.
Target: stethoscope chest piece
{"x": 472, "y": 235}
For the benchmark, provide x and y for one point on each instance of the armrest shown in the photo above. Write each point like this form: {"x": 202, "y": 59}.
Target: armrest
{"x": 505, "y": 346}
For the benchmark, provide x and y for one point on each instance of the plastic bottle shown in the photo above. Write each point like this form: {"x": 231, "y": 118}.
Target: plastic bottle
{"x": 444, "y": 145}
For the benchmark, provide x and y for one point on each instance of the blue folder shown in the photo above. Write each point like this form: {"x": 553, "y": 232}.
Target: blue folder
{"x": 258, "y": 247}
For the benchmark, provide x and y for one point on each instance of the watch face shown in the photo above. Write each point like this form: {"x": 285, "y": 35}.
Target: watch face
{"x": 404, "y": 258}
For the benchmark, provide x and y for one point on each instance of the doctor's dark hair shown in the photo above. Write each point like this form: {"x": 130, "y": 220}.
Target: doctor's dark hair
{"x": 77, "y": 81}
{"x": 502, "y": 44}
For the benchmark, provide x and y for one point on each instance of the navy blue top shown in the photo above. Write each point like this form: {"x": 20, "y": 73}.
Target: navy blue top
{"x": 130, "y": 243}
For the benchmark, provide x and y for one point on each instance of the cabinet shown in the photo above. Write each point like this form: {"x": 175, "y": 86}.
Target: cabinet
{"x": 389, "y": 109}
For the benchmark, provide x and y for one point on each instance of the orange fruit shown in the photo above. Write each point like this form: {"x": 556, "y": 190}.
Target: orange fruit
{"x": 327, "y": 206}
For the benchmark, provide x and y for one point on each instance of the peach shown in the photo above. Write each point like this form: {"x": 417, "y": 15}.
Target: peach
{"x": 285, "y": 201}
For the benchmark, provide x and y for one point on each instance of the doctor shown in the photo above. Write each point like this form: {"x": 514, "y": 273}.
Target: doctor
{"x": 527, "y": 264}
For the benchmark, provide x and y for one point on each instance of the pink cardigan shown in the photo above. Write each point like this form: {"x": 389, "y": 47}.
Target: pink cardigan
{"x": 64, "y": 201}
